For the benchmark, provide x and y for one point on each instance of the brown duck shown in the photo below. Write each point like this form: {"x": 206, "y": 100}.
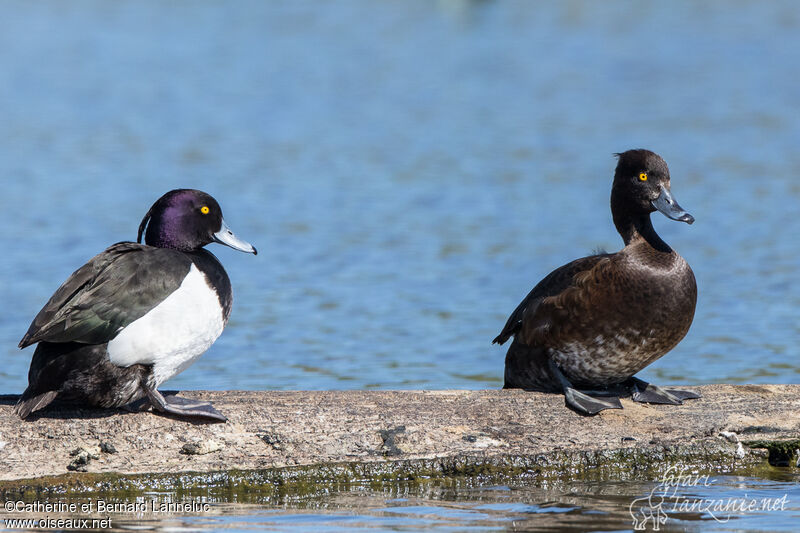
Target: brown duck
{"x": 595, "y": 322}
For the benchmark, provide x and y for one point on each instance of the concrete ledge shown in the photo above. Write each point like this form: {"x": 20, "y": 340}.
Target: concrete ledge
{"x": 345, "y": 436}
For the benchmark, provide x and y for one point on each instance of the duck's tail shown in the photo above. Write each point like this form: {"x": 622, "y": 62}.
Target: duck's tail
{"x": 527, "y": 367}
{"x": 28, "y": 404}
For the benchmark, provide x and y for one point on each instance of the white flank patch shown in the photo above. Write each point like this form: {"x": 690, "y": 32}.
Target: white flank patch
{"x": 174, "y": 333}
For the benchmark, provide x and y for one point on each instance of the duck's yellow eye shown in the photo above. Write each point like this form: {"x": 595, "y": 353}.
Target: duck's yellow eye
{"x": 642, "y": 177}
{"x": 205, "y": 209}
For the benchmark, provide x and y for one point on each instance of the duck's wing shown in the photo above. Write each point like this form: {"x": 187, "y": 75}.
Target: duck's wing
{"x": 97, "y": 301}
{"x": 548, "y": 291}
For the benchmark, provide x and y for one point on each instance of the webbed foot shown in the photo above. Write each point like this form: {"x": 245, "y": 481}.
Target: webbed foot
{"x": 184, "y": 407}
{"x": 644, "y": 392}
{"x": 580, "y": 401}
{"x": 685, "y": 394}
{"x": 589, "y": 405}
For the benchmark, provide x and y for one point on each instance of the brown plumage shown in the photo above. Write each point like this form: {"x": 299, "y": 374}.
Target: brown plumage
{"x": 600, "y": 319}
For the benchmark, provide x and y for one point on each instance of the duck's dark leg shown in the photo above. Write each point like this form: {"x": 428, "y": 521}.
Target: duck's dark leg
{"x": 579, "y": 401}
{"x": 176, "y": 405}
{"x": 644, "y": 392}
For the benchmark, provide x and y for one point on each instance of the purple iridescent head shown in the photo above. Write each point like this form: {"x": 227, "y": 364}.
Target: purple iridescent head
{"x": 187, "y": 220}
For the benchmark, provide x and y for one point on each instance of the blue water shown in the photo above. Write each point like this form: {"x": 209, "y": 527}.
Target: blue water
{"x": 770, "y": 505}
{"x": 407, "y": 170}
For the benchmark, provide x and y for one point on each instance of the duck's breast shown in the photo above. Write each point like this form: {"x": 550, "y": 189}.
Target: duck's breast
{"x": 175, "y": 332}
{"x": 627, "y": 321}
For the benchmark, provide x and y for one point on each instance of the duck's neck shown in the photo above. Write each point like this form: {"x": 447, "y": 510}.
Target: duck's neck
{"x": 639, "y": 227}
